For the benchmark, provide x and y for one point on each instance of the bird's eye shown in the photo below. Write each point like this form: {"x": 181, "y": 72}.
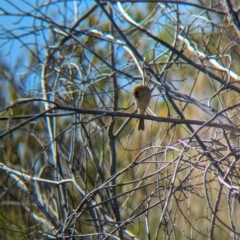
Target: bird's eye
{"x": 136, "y": 95}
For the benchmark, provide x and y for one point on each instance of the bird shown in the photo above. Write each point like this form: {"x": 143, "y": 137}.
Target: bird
{"x": 142, "y": 96}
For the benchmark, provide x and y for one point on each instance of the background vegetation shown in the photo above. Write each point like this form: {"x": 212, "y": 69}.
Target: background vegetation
{"x": 72, "y": 163}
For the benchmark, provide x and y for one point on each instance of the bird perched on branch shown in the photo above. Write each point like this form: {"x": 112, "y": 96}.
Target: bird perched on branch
{"x": 142, "y": 96}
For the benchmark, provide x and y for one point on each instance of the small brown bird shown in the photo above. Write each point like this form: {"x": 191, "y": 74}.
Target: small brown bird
{"x": 142, "y": 96}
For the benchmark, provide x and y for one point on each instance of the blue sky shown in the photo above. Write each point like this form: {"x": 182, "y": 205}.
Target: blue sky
{"x": 19, "y": 25}
{"x": 59, "y": 12}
